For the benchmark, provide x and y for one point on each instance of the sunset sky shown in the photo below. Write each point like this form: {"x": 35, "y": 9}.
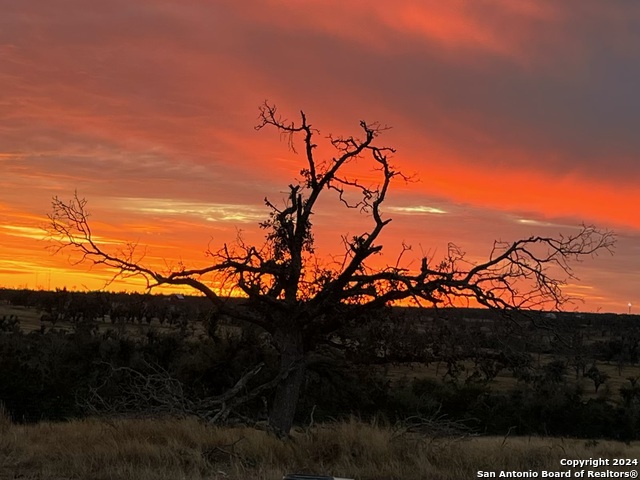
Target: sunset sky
{"x": 515, "y": 117}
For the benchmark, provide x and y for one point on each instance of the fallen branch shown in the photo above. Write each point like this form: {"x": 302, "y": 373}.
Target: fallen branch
{"x": 154, "y": 392}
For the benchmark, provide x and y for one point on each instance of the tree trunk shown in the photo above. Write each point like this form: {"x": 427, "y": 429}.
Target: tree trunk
{"x": 292, "y": 367}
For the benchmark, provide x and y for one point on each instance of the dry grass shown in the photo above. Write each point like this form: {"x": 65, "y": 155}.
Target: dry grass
{"x": 186, "y": 449}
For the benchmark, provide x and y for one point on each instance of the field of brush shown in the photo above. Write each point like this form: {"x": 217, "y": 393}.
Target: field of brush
{"x": 610, "y": 342}
{"x": 452, "y": 368}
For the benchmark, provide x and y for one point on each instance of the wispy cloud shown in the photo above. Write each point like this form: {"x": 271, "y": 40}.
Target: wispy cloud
{"x": 25, "y": 232}
{"x": 415, "y": 210}
{"x": 542, "y": 223}
{"x": 212, "y": 212}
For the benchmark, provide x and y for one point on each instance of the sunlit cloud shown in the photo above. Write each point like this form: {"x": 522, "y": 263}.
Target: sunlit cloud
{"x": 25, "y": 232}
{"x": 541, "y": 223}
{"x": 46, "y": 236}
{"x": 415, "y": 210}
{"x": 579, "y": 287}
{"x": 11, "y": 156}
{"x": 6, "y": 271}
{"x": 212, "y": 212}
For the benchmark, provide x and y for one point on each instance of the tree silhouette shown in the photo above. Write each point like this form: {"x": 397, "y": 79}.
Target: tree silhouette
{"x": 302, "y": 300}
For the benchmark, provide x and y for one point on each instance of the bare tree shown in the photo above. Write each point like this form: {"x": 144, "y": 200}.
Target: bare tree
{"x": 300, "y": 300}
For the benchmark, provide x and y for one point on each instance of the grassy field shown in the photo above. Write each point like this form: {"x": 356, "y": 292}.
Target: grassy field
{"x": 30, "y": 321}
{"x": 504, "y": 381}
{"x": 29, "y": 317}
{"x": 173, "y": 449}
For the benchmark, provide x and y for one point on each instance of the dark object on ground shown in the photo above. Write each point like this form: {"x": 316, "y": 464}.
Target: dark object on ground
{"x": 295, "y": 476}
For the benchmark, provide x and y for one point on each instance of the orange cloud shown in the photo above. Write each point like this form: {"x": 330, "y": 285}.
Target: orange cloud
{"x": 514, "y": 115}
